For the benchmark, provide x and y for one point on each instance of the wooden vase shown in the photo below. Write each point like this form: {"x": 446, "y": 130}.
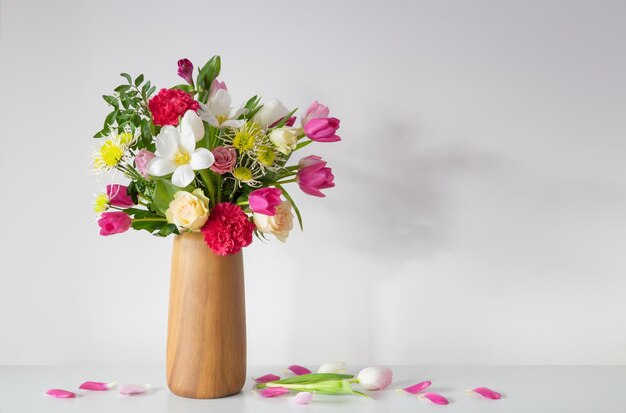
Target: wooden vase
{"x": 206, "y": 338}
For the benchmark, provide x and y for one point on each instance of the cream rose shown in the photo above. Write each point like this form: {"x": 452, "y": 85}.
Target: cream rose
{"x": 279, "y": 224}
{"x": 188, "y": 210}
{"x": 284, "y": 139}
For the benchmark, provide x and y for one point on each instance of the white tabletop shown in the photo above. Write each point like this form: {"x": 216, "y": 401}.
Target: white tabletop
{"x": 524, "y": 389}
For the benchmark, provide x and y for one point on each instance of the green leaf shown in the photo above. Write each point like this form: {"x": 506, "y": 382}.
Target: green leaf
{"x": 127, "y": 76}
{"x": 164, "y": 194}
{"x": 303, "y": 144}
{"x": 209, "y": 72}
{"x": 293, "y": 204}
{"x": 109, "y": 119}
{"x": 145, "y": 88}
{"x": 151, "y": 91}
{"x": 313, "y": 378}
{"x": 138, "y": 80}
{"x": 122, "y": 88}
{"x": 184, "y": 87}
{"x": 111, "y": 100}
{"x": 285, "y": 119}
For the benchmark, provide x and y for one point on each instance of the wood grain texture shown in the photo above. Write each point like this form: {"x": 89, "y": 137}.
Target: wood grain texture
{"x": 206, "y": 340}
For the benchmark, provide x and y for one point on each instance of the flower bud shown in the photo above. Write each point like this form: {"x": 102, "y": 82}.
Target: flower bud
{"x": 185, "y": 70}
{"x": 375, "y": 378}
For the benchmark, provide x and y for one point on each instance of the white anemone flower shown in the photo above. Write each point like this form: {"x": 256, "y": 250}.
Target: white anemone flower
{"x": 176, "y": 151}
{"x": 218, "y": 112}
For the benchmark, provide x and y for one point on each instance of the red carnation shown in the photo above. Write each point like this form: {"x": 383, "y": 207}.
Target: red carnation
{"x": 228, "y": 229}
{"x": 169, "y": 104}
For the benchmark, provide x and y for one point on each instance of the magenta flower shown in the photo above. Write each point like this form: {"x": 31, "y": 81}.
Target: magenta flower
{"x": 225, "y": 159}
{"x": 185, "y": 70}
{"x": 118, "y": 196}
{"x": 322, "y": 129}
{"x": 141, "y": 161}
{"x": 314, "y": 175}
{"x": 265, "y": 200}
{"x": 114, "y": 223}
{"x": 316, "y": 110}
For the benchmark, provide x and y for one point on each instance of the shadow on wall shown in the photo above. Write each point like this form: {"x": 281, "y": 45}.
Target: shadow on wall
{"x": 395, "y": 191}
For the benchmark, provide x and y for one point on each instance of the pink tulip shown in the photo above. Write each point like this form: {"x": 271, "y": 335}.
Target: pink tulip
{"x": 114, "y": 223}
{"x": 322, "y": 129}
{"x": 314, "y": 175}
{"x": 215, "y": 86}
{"x": 225, "y": 159}
{"x": 265, "y": 200}
{"x": 118, "y": 196}
{"x": 316, "y": 110}
{"x": 141, "y": 161}
{"x": 185, "y": 70}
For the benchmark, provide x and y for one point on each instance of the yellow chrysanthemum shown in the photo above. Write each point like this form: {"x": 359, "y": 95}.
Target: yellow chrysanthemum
{"x": 125, "y": 138}
{"x": 110, "y": 154}
{"x": 242, "y": 174}
{"x": 245, "y": 137}
{"x": 101, "y": 203}
{"x": 266, "y": 155}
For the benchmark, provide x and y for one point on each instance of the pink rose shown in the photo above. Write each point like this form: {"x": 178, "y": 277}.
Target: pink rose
{"x": 313, "y": 175}
{"x": 322, "y": 129}
{"x": 118, "y": 196}
{"x": 114, "y": 223}
{"x": 141, "y": 161}
{"x": 265, "y": 200}
{"x": 316, "y": 110}
{"x": 225, "y": 159}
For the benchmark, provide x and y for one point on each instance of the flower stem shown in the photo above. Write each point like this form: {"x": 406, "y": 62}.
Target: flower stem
{"x": 286, "y": 182}
{"x": 209, "y": 184}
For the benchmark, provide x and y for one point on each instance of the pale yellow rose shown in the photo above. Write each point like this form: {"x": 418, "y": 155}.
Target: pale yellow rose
{"x": 284, "y": 139}
{"x": 188, "y": 210}
{"x": 279, "y": 225}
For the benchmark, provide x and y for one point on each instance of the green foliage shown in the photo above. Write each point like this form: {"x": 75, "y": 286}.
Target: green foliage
{"x": 130, "y": 111}
{"x": 206, "y": 75}
{"x": 164, "y": 194}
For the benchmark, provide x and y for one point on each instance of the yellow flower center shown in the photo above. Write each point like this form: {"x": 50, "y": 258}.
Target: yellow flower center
{"x": 101, "y": 203}
{"x": 242, "y": 174}
{"x": 111, "y": 153}
{"x": 221, "y": 119}
{"x": 246, "y": 137}
{"x": 266, "y": 155}
{"x": 125, "y": 138}
{"x": 182, "y": 157}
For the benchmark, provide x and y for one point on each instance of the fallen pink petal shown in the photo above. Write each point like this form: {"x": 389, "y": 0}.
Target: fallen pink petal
{"x": 487, "y": 393}
{"x": 272, "y": 391}
{"x": 416, "y": 388}
{"x": 267, "y": 378}
{"x": 60, "y": 394}
{"x": 298, "y": 370}
{"x": 131, "y": 389}
{"x": 435, "y": 398}
{"x": 96, "y": 385}
{"x": 304, "y": 397}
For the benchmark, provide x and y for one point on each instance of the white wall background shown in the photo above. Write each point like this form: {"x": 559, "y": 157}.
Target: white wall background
{"x": 480, "y": 209}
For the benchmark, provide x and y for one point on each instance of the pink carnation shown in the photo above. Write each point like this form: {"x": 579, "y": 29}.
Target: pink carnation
{"x": 169, "y": 104}
{"x": 228, "y": 229}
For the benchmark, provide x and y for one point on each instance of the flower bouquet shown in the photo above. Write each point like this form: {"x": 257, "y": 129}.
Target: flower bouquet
{"x": 214, "y": 175}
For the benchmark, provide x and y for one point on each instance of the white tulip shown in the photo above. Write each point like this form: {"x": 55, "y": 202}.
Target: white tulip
{"x": 375, "y": 378}
{"x": 284, "y": 139}
{"x": 336, "y": 367}
{"x": 272, "y": 111}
